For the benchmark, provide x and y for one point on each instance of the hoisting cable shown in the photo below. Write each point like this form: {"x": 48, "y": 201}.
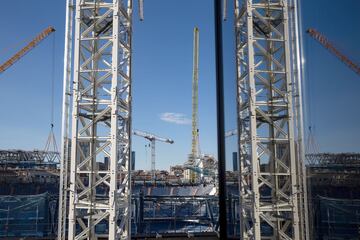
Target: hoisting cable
{"x": 312, "y": 147}
{"x": 51, "y": 148}
{"x": 52, "y": 83}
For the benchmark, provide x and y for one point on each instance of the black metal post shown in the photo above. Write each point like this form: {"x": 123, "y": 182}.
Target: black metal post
{"x": 220, "y": 117}
{"x": 235, "y": 161}
{"x": 141, "y": 212}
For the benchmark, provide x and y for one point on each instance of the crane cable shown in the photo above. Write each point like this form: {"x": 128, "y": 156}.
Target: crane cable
{"x": 51, "y": 147}
{"x": 312, "y": 146}
{"x": 52, "y": 82}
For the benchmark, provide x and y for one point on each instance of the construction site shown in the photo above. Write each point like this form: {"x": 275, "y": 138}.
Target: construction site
{"x": 258, "y": 158}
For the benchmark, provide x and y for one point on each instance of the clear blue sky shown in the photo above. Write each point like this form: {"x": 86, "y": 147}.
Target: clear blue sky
{"x": 332, "y": 88}
{"x": 162, "y": 73}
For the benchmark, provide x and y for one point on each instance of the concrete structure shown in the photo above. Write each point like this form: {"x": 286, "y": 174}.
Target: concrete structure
{"x": 334, "y": 183}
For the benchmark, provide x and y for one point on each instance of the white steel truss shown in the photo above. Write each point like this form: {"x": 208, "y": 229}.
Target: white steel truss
{"x": 101, "y": 116}
{"x": 269, "y": 160}
{"x": 64, "y": 162}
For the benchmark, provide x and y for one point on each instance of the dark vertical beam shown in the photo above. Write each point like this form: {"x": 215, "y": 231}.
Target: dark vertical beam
{"x": 141, "y": 212}
{"x": 235, "y": 161}
{"x": 220, "y": 117}
{"x": 132, "y": 160}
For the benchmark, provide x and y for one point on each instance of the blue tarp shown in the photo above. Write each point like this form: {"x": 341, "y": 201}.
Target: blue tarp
{"x": 25, "y": 215}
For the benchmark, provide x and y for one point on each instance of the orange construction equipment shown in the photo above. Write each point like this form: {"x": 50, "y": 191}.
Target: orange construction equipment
{"x": 26, "y": 49}
{"x": 325, "y": 42}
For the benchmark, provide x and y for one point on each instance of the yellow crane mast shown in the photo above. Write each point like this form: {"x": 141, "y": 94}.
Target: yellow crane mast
{"x": 195, "y": 104}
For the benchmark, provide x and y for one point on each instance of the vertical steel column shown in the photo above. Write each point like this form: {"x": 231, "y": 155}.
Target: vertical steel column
{"x": 101, "y": 117}
{"x": 220, "y": 117}
{"x": 153, "y": 170}
{"x": 268, "y": 156}
{"x": 65, "y": 128}
{"x": 195, "y": 153}
{"x": 299, "y": 76}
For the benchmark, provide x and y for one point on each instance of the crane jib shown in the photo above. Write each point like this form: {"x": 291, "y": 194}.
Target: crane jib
{"x": 17, "y": 56}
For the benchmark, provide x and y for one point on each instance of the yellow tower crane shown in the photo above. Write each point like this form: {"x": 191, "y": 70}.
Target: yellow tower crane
{"x": 332, "y": 49}
{"x": 16, "y": 57}
{"x": 195, "y": 106}
{"x": 51, "y": 149}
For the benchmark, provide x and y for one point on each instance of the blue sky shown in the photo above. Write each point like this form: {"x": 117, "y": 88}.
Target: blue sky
{"x": 163, "y": 79}
{"x": 332, "y": 88}
{"x": 162, "y": 74}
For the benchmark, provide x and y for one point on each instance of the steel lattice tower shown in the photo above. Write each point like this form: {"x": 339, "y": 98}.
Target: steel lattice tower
{"x": 100, "y": 120}
{"x": 195, "y": 153}
{"x": 269, "y": 108}
{"x": 65, "y": 129}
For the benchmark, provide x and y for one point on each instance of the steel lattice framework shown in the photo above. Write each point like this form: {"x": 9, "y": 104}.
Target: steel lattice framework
{"x": 65, "y": 129}
{"x": 100, "y": 120}
{"x": 271, "y": 189}
{"x": 35, "y": 156}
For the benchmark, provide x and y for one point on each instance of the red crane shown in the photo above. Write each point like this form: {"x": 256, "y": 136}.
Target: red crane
{"x": 327, "y": 44}
{"x": 26, "y": 49}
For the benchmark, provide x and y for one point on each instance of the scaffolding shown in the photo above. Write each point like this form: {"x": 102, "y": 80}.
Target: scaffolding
{"x": 174, "y": 214}
{"x": 337, "y": 218}
{"x": 97, "y": 88}
{"x": 27, "y": 216}
{"x": 29, "y": 157}
{"x": 334, "y": 181}
{"x": 97, "y": 91}
{"x": 269, "y": 108}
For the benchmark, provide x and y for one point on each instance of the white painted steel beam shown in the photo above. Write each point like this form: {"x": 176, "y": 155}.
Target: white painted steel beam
{"x": 270, "y": 139}
{"x": 101, "y": 121}
{"x": 65, "y": 128}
